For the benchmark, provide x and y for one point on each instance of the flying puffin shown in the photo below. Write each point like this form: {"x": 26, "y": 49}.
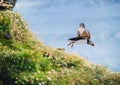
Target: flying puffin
{"x": 83, "y": 36}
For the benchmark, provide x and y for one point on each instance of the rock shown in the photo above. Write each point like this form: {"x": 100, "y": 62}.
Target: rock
{"x": 62, "y": 49}
{"x": 7, "y": 4}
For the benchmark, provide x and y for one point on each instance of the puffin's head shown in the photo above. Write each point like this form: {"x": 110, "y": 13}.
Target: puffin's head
{"x": 91, "y": 43}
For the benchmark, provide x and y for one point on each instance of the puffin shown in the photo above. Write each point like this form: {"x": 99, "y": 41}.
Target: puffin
{"x": 83, "y": 37}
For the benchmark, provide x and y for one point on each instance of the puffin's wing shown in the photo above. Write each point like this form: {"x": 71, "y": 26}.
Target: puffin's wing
{"x": 86, "y": 34}
{"x": 78, "y": 33}
{"x": 82, "y": 32}
{"x": 81, "y": 29}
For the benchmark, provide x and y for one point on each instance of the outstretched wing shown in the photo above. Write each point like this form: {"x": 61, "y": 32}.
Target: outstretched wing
{"x": 78, "y": 33}
{"x": 84, "y": 34}
{"x": 87, "y": 34}
{"x": 81, "y": 29}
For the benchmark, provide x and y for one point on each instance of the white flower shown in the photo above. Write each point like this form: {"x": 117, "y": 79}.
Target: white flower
{"x": 49, "y": 78}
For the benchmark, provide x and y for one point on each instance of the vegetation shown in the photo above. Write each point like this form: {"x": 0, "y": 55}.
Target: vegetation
{"x": 26, "y": 61}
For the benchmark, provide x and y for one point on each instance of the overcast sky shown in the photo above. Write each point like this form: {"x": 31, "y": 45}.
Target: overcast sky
{"x": 54, "y": 21}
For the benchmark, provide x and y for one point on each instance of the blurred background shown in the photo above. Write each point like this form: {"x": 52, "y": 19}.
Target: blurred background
{"x": 54, "y": 21}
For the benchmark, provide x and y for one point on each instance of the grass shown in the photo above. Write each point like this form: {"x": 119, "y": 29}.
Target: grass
{"x": 26, "y": 61}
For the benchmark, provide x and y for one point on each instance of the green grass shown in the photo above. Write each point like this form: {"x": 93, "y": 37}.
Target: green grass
{"x": 26, "y": 61}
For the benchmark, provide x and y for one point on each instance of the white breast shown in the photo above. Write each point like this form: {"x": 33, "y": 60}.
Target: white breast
{"x": 81, "y": 42}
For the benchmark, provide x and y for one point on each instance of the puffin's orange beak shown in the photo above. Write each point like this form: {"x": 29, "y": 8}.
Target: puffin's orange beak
{"x": 92, "y": 44}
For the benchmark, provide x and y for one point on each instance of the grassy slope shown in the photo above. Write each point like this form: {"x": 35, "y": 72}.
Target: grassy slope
{"x": 26, "y": 61}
